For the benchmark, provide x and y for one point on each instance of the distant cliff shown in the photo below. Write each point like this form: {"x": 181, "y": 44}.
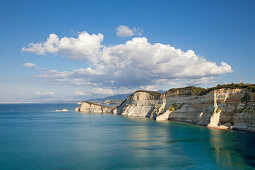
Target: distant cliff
{"x": 226, "y": 107}
{"x": 89, "y": 107}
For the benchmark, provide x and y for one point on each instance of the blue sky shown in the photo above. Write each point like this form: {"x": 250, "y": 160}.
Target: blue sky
{"x": 217, "y": 31}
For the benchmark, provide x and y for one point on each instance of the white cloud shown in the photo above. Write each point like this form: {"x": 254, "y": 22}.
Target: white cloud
{"x": 172, "y": 83}
{"x": 95, "y": 92}
{"x": 84, "y": 47}
{"x": 200, "y": 81}
{"x": 149, "y": 87}
{"x": 79, "y": 93}
{"x": 29, "y": 64}
{"x": 45, "y": 93}
{"x": 103, "y": 91}
{"x": 136, "y": 63}
{"x": 125, "y": 31}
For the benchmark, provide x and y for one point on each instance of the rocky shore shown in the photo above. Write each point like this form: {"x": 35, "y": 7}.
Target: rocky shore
{"x": 222, "y": 107}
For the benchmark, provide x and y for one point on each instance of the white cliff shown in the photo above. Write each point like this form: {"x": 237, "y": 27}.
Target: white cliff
{"x": 89, "y": 107}
{"x": 140, "y": 104}
{"x": 225, "y": 108}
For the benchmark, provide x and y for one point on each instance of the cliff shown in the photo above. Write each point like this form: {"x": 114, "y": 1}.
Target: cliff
{"x": 89, "y": 107}
{"x": 222, "y": 107}
{"x": 140, "y": 104}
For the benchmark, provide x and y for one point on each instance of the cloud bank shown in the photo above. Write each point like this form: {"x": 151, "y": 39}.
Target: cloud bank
{"x": 133, "y": 64}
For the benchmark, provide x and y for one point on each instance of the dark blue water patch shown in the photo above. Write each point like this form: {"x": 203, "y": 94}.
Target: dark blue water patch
{"x": 181, "y": 140}
{"x": 34, "y": 136}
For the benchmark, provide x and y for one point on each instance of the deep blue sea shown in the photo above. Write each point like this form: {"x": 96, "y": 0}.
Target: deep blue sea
{"x": 36, "y": 137}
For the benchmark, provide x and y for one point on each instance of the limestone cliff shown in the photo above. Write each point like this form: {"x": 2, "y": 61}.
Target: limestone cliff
{"x": 222, "y": 108}
{"x": 140, "y": 104}
{"x": 226, "y": 108}
{"x": 89, "y": 107}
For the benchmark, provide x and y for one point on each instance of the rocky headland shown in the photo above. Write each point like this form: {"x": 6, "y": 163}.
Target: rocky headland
{"x": 90, "y": 107}
{"x": 225, "y": 106}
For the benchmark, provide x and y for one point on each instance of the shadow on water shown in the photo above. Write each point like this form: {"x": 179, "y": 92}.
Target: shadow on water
{"x": 233, "y": 148}
{"x": 217, "y": 148}
{"x": 245, "y": 146}
{"x": 181, "y": 140}
{"x": 223, "y": 144}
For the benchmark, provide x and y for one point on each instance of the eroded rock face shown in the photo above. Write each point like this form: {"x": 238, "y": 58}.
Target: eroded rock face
{"x": 222, "y": 108}
{"x": 89, "y": 107}
{"x": 140, "y": 104}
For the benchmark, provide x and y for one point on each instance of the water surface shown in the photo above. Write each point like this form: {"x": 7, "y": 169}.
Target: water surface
{"x": 34, "y": 136}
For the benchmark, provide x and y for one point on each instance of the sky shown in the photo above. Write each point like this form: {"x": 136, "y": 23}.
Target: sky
{"x": 73, "y": 50}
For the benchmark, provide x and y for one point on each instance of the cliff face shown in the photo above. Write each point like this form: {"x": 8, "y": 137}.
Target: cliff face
{"x": 222, "y": 108}
{"x": 140, "y": 104}
{"x": 89, "y": 107}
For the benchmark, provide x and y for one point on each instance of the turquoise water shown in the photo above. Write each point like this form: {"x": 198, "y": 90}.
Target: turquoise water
{"x": 34, "y": 136}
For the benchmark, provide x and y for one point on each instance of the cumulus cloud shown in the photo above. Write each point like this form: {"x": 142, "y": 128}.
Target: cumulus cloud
{"x": 29, "y": 64}
{"x": 125, "y": 31}
{"x": 136, "y": 63}
{"x": 84, "y": 47}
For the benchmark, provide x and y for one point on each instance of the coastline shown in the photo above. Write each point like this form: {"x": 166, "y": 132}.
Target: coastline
{"x": 227, "y": 107}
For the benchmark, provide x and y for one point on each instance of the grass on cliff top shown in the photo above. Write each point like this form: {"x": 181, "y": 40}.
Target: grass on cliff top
{"x": 250, "y": 87}
{"x": 196, "y": 90}
{"x": 153, "y": 93}
{"x": 203, "y": 91}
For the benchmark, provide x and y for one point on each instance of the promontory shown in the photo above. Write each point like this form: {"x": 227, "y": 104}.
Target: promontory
{"x": 230, "y": 106}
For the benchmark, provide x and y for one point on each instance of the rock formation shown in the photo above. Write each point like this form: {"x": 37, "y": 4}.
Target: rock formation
{"x": 89, "y": 107}
{"x": 225, "y": 108}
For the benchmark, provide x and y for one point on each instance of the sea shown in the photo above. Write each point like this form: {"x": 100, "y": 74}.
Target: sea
{"x": 36, "y": 137}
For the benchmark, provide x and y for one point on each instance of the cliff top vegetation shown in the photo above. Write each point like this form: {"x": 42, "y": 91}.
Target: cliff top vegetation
{"x": 153, "y": 93}
{"x": 203, "y": 91}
